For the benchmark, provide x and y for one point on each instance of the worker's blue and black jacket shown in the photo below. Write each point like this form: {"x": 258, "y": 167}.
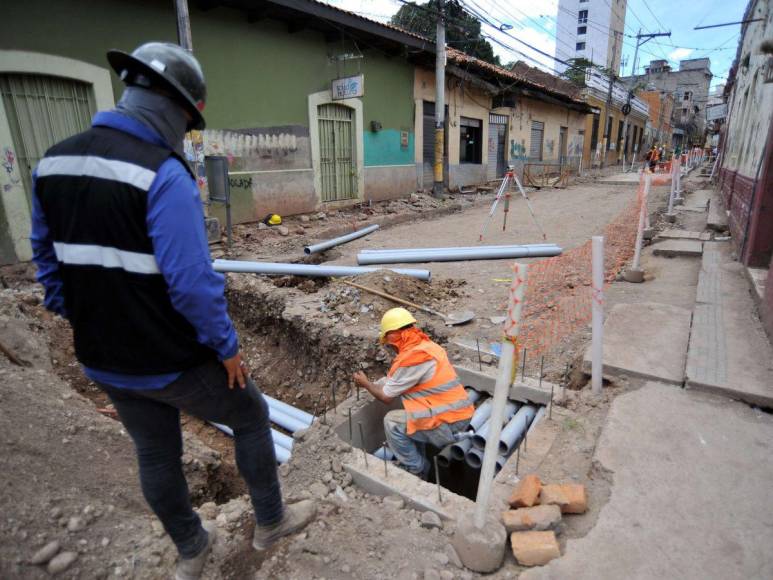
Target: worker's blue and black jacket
{"x": 119, "y": 240}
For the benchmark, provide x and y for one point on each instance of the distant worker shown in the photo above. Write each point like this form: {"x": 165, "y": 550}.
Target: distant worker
{"x": 435, "y": 403}
{"x": 119, "y": 241}
{"x": 653, "y": 156}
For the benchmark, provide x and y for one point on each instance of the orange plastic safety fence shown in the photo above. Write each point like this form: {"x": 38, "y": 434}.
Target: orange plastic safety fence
{"x": 559, "y": 293}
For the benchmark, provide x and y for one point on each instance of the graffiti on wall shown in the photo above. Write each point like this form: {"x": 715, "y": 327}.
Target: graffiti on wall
{"x": 518, "y": 150}
{"x": 550, "y": 145}
{"x": 266, "y": 146}
{"x": 9, "y": 165}
{"x": 575, "y": 146}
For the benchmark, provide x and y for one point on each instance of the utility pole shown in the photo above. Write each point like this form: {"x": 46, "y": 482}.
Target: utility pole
{"x": 440, "y": 100}
{"x": 184, "y": 38}
{"x": 639, "y": 42}
{"x": 607, "y": 117}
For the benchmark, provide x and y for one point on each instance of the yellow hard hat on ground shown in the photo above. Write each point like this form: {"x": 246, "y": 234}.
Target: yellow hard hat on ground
{"x": 395, "y": 319}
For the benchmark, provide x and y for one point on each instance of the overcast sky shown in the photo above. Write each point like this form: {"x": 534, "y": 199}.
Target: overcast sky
{"x": 534, "y": 22}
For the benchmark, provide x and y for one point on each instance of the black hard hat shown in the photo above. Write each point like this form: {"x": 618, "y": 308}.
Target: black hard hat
{"x": 167, "y": 66}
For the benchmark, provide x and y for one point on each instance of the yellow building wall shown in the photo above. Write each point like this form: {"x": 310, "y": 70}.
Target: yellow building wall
{"x": 613, "y": 156}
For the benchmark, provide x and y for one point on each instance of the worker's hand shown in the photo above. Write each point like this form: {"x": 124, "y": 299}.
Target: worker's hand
{"x": 361, "y": 379}
{"x": 237, "y": 371}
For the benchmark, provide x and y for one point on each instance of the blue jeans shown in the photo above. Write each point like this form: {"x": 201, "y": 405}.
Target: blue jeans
{"x": 152, "y": 419}
{"x": 409, "y": 449}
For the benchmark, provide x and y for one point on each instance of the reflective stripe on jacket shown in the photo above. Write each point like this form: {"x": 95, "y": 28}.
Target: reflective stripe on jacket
{"x": 441, "y": 399}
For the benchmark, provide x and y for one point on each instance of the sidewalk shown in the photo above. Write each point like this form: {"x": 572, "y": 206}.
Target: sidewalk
{"x": 691, "y": 468}
{"x": 691, "y": 476}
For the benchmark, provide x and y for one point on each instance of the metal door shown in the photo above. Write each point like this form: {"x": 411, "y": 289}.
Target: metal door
{"x": 562, "y": 144}
{"x": 41, "y": 111}
{"x": 535, "y": 144}
{"x": 497, "y": 130}
{"x": 338, "y": 174}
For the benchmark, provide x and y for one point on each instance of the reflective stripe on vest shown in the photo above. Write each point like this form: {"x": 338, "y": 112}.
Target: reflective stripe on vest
{"x": 441, "y": 399}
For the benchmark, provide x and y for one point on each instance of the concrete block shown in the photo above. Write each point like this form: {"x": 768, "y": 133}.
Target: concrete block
{"x": 526, "y": 492}
{"x": 570, "y": 497}
{"x": 672, "y": 248}
{"x": 534, "y": 548}
{"x": 480, "y": 549}
{"x": 539, "y": 518}
{"x": 524, "y": 390}
{"x": 662, "y": 333}
{"x": 673, "y": 234}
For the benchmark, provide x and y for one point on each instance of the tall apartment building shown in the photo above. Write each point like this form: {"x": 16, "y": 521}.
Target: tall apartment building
{"x": 690, "y": 88}
{"x": 591, "y": 29}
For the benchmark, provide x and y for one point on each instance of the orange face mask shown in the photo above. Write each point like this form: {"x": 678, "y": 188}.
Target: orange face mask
{"x": 406, "y": 338}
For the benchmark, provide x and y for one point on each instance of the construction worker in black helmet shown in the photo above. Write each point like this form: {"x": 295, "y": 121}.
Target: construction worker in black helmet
{"x": 119, "y": 241}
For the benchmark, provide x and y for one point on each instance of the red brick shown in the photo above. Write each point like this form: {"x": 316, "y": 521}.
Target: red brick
{"x": 570, "y": 497}
{"x": 534, "y": 548}
{"x": 526, "y": 492}
{"x": 539, "y": 517}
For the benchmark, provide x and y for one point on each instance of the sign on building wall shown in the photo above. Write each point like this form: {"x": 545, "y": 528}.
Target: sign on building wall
{"x": 348, "y": 87}
{"x": 716, "y": 112}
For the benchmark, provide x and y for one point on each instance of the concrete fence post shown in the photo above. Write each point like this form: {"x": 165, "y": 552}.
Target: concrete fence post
{"x": 597, "y": 287}
{"x": 501, "y": 390}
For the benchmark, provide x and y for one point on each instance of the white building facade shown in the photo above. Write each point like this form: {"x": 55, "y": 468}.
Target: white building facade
{"x": 591, "y": 29}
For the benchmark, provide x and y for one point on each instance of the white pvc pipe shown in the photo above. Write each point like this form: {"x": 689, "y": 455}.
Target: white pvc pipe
{"x": 472, "y": 394}
{"x": 322, "y": 246}
{"x": 642, "y": 220}
{"x": 285, "y": 421}
{"x": 672, "y": 192}
{"x": 444, "y": 250}
{"x": 460, "y": 255}
{"x": 501, "y": 388}
{"x": 281, "y": 452}
{"x": 278, "y": 269}
{"x": 597, "y": 287}
{"x": 283, "y": 407}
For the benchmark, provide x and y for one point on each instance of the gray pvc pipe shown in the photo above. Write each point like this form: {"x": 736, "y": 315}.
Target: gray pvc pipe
{"x": 322, "y": 246}
{"x": 285, "y": 421}
{"x": 380, "y": 453}
{"x": 474, "y": 458}
{"x": 479, "y": 439}
{"x": 444, "y": 457}
{"x": 280, "y": 269}
{"x": 481, "y": 415}
{"x": 283, "y": 407}
{"x": 282, "y": 453}
{"x": 460, "y": 449}
{"x": 459, "y": 255}
{"x": 472, "y": 394}
{"x": 451, "y": 249}
{"x": 515, "y": 429}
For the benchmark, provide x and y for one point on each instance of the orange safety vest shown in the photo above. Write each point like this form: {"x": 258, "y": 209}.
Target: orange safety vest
{"x": 442, "y": 399}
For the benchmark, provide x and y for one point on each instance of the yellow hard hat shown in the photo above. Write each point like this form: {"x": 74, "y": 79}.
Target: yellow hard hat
{"x": 395, "y": 319}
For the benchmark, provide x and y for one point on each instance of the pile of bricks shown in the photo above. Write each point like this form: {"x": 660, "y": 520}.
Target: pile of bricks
{"x": 536, "y": 514}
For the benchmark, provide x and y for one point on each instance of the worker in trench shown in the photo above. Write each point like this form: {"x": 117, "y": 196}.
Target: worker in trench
{"x": 120, "y": 245}
{"x": 435, "y": 404}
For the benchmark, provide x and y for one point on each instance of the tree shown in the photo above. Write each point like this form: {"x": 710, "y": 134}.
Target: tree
{"x": 462, "y": 29}
{"x": 575, "y": 74}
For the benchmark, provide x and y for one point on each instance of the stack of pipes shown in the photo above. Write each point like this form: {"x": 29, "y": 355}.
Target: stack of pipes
{"x": 285, "y": 416}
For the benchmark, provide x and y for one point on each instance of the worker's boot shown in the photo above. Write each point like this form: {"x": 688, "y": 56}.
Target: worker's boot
{"x": 191, "y": 568}
{"x": 295, "y": 517}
